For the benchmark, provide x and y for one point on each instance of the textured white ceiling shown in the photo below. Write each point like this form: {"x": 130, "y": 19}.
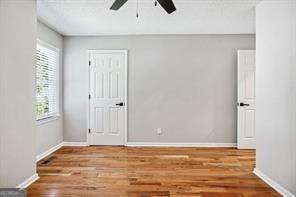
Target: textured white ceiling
{"x": 93, "y": 17}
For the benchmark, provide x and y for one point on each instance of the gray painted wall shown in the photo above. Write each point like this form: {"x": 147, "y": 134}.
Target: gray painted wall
{"x": 17, "y": 91}
{"x": 276, "y": 92}
{"x": 185, "y": 84}
{"x": 50, "y": 134}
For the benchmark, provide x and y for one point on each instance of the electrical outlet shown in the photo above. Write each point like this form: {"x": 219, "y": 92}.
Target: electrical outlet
{"x": 159, "y": 131}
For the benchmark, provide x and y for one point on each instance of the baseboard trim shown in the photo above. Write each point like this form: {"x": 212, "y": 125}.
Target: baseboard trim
{"x": 74, "y": 144}
{"x": 280, "y": 189}
{"x": 159, "y": 144}
{"x": 28, "y": 181}
{"x": 53, "y": 149}
{"x": 48, "y": 152}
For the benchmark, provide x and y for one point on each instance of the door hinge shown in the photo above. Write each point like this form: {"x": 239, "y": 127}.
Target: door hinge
{"x": 89, "y": 63}
{"x": 88, "y": 130}
{"x": 89, "y": 97}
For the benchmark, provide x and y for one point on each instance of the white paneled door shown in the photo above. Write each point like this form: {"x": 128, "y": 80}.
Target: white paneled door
{"x": 107, "y": 97}
{"x": 246, "y": 99}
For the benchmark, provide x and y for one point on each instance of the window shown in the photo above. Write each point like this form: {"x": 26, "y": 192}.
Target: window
{"x": 46, "y": 81}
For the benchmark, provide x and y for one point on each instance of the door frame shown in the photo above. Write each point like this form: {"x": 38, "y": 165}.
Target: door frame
{"x": 98, "y": 51}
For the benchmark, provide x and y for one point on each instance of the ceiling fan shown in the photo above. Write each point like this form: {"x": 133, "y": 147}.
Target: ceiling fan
{"x": 167, "y": 5}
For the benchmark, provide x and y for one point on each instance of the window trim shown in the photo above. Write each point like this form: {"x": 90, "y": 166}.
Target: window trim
{"x": 52, "y": 116}
{"x": 47, "y": 120}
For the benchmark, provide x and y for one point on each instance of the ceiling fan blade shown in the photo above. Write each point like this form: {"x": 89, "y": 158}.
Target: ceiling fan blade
{"x": 117, "y": 4}
{"x": 168, "y": 5}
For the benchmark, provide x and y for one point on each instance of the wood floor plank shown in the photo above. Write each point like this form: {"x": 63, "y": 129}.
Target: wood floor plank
{"x": 144, "y": 171}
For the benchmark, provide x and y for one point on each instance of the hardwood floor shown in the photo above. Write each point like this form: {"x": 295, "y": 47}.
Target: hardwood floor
{"x": 129, "y": 171}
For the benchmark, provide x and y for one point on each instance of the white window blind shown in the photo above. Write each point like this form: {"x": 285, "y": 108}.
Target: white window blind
{"x": 46, "y": 81}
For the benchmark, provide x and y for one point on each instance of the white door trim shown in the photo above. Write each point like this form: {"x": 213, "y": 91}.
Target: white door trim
{"x": 89, "y": 52}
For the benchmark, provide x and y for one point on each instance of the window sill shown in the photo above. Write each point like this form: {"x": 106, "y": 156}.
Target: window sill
{"x": 47, "y": 120}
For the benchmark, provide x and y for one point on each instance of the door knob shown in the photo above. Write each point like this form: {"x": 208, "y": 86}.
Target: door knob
{"x": 243, "y": 104}
{"x": 120, "y": 104}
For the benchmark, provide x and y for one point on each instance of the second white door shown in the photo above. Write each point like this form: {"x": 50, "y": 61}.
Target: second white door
{"x": 246, "y": 99}
{"x": 107, "y": 99}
